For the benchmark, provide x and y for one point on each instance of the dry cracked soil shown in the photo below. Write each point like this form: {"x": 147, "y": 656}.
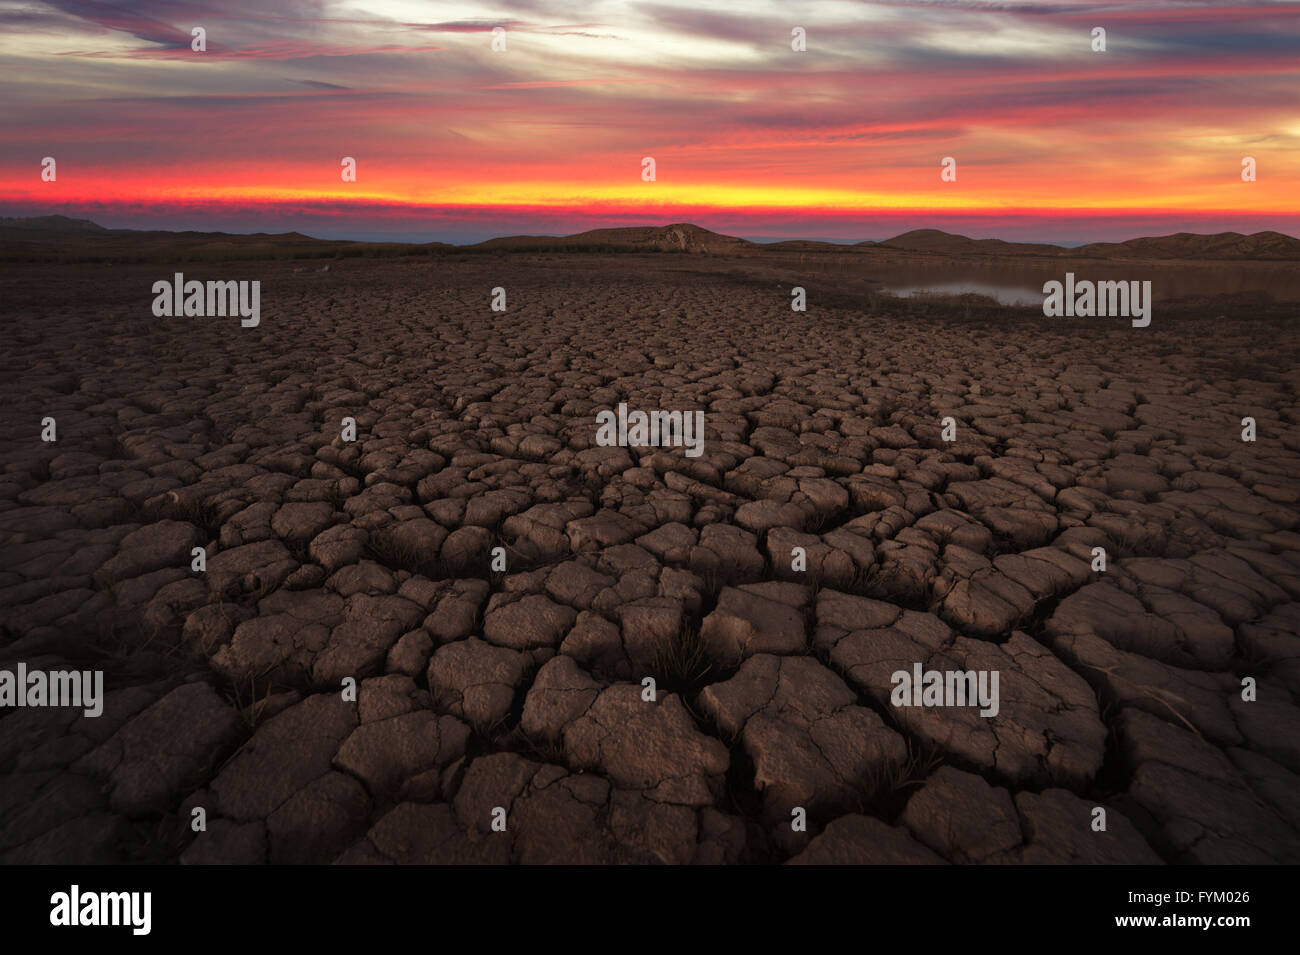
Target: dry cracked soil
{"x": 521, "y": 690}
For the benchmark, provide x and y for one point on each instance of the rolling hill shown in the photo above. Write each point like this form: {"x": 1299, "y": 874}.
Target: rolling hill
{"x": 57, "y": 237}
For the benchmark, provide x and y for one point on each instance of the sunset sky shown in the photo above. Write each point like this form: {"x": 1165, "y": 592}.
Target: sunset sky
{"x": 456, "y": 142}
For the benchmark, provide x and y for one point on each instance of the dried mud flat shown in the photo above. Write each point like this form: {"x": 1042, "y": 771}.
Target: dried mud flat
{"x": 522, "y": 690}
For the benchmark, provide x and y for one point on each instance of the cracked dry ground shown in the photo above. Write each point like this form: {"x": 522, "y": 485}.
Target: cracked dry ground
{"x": 521, "y": 690}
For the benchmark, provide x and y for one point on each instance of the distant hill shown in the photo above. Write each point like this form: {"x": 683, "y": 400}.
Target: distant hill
{"x": 932, "y": 240}
{"x": 1188, "y": 245}
{"x": 805, "y": 245}
{"x": 34, "y": 227}
{"x": 680, "y": 237}
{"x": 1184, "y": 245}
{"x": 47, "y": 225}
{"x": 59, "y": 238}
{"x": 62, "y": 239}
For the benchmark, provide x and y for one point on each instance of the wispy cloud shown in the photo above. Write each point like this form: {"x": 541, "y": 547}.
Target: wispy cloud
{"x": 735, "y": 118}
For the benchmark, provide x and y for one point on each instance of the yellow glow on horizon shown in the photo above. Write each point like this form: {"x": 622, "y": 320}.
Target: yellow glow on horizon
{"x": 658, "y": 195}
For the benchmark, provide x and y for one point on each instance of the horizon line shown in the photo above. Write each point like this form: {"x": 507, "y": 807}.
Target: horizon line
{"x": 371, "y": 236}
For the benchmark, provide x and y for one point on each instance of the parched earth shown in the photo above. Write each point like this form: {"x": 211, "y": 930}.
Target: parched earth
{"x": 486, "y": 696}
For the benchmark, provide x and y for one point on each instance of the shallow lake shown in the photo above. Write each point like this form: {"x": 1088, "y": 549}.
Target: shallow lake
{"x": 1023, "y": 284}
{"x": 1003, "y": 294}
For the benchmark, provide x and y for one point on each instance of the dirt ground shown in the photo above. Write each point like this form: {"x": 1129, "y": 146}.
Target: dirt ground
{"x": 502, "y": 715}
